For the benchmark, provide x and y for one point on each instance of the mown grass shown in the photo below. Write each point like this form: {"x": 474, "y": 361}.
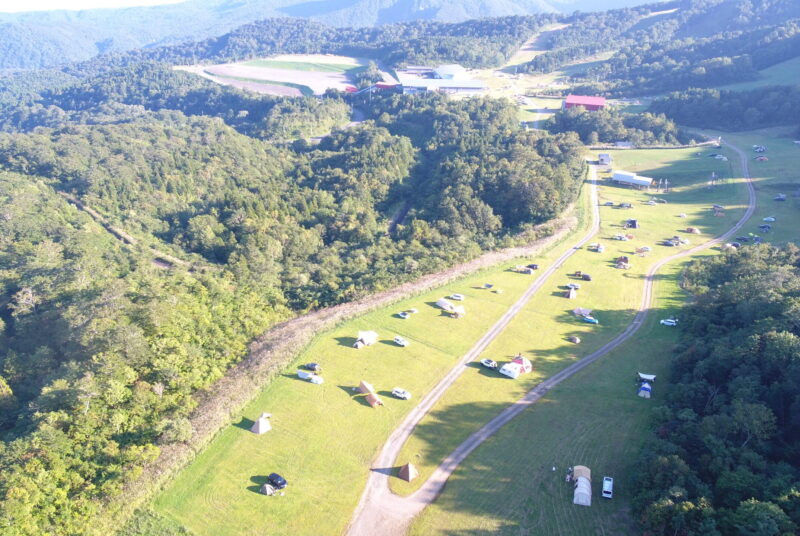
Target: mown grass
{"x": 786, "y": 73}
{"x": 507, "y": 486}
{"x": 541, "y": 330}
{"x": 302, "y": 66}
{"x": 324, "y": 437}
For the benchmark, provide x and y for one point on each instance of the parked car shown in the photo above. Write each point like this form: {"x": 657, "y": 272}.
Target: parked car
{"x": 590, "y": 320}
{"x": 401, "y": 393}
{"x": 625, "y": 205}
{"x": 769, "y": 219}
{"x": 533, "y": 266}
{"x": 608, "y": 487}
{"x": 314, "y": 367}
{"x": 651, "y": 203}
{"x": 609, "y": 203}
{"x": 457, "y": 297}
{"x": 277, "y": 481}
{"x": 400, "y": 341}
{"x": 743, "y": 238}
{"x": 669, "y": 322}
{"x": 586, "y": 277}
{"x": 404, "y": 315}
{"x": 576, "y": 286}
{"x": 488, "y": 363}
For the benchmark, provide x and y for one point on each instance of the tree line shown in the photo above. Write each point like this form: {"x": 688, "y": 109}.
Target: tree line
{"x": 723, "y": 459}
{"x": 609, "y": 125}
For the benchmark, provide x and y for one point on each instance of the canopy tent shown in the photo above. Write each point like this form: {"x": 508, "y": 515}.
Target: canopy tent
{"x": 520, "y": 365}
{"x": 582, "y": 311}
{"x": 266, "y": 489}
{"x": 647, "y": 377}
{"x": 365, "y": 338}
{"x": 524, "y": 363}
{"x": 262, "y": 425}
{"x": 645, "y": 390}
{"x": 374, "y": 400}
{"x": 366, "y": 388}
{"x": 445, "y": 304}
{"x": 458, "y": 311}
{"x": 408, "y": 472}
{"x": 583, "y": 485}
{"x": 571, "y": 294}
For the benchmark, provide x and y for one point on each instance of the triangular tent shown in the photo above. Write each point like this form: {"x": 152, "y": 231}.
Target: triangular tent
{"x": 408, "y": 472}
{"x": 262, "y": 425}
{"x": 374, "y": 400}
{"x": 365, "y": 388}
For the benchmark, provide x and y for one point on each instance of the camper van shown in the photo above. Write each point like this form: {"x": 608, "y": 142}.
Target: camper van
{"x": 608, "y": 487}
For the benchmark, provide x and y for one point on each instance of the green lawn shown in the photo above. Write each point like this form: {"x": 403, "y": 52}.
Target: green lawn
{"x": 786, "y": 73}
{"x": 324, "y": 437}
{"x": 303, "y": 66}
{"x": 541, "y": 330}
{"x": 507, "y": 486}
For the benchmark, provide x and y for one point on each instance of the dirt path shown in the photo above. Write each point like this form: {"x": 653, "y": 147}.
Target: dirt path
{"x": 380, "y": 512}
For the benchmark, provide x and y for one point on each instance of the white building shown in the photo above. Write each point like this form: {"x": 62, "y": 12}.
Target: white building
{"x": 450, "y": 72}
{"x": 632, "y": 179}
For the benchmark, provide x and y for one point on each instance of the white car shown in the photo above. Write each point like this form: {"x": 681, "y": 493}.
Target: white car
{"x": 669, "y": 322}
{"x": 608, "y": 487}
{"x": 769, "y": 219}
{"x": 404, "y": 315}
{"x": 457, "y": 297}
{"x": 488, "y": 363}
{"x": 651, "y": 203}
{"x": 400, "y": 341}
{"x": 645, "y": 248}
{"x": 576, "y": 286}
{"x": 401, "y": 393}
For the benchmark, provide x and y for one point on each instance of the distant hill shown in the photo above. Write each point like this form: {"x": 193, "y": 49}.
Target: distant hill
{"x": 46, "y": 39}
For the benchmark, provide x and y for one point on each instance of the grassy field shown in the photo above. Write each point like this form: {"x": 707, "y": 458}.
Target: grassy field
{"x": 541, "y": 330}
{"x": 303, "y": 66}
{"x": 781, "y": 74}
{"x": 324, "y": 437}
{"x": 507, "y": 486}
{"x": 304, "y": 90}
{"x": 780, "y": 174}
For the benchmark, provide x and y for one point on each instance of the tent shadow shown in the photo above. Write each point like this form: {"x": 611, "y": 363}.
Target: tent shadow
{"x": 245, "y": 424}
{"x": 345, "y": 341}
{"x": 442, "y": 312}
{"x": 389, "y": 471}
{"x": 389, "y": 342}
{"x": 258, "y": 481}
{"x": 355, "y": 395}
{"x": 294, "y": 377}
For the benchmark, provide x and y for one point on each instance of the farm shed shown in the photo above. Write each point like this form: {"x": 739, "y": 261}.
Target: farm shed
{"x": 631, "y": 179}
{"x": 583, "y": 486}
{"x": 262, "y": 425}
{"x": 408, "y": 472}
{"x": 365, "y": 338}
{"x": 588, "y": 102}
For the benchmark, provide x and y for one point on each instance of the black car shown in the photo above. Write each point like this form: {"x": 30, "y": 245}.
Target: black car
{"x": 313, "y": 367}
{"x": 277, "y": 481}
{"x": 743, "y": 238}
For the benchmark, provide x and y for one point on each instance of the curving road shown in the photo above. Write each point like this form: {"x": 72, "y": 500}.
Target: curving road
{"x": 382, "y": 513}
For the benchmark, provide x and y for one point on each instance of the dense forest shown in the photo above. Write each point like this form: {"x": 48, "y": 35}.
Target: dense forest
{"x": 724, "y": 458}
{"x": 251, "y": 232}
{"x": 732, "y": 110}
{"x": 609, "y": 125}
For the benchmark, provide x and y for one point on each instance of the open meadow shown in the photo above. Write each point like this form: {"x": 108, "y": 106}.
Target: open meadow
{"x": 785, "y": 73}
{"x": 325, "y": 436}
{"x": 542, "y": 330}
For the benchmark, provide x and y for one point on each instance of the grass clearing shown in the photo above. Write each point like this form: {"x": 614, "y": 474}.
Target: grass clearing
{"x": 542, "y": 329}
{"x": 324, "y": 438}
{"x": 304, "y": 90}
{"x": 786, "y": 73}
{"x": 302, "y": 66}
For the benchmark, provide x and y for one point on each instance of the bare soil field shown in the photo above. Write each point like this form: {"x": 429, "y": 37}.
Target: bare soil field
{"x": 262, "y": 88}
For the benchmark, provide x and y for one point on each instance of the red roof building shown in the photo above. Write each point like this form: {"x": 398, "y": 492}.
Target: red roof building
{"x": 590, "y": 103}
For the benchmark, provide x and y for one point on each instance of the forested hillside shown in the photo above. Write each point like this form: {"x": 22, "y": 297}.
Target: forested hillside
{"x": 105, "y": 340}
{"x": 724, "y": 458}
{"x": 37, "y": 39}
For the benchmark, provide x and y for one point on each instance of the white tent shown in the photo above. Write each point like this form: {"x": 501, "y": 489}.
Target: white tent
{"x": 458, "y": 311}
{"x": 445, "y": 304}
{"x": 625, "y": 177}
{"x": 645, "y": 390}
{"x": 583, "y": 486}
{"x": 647, "y": 377}
{"x": 365, "y": 338}
{"x": 262, "y": 425}
{"x": 512, "y": 370}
